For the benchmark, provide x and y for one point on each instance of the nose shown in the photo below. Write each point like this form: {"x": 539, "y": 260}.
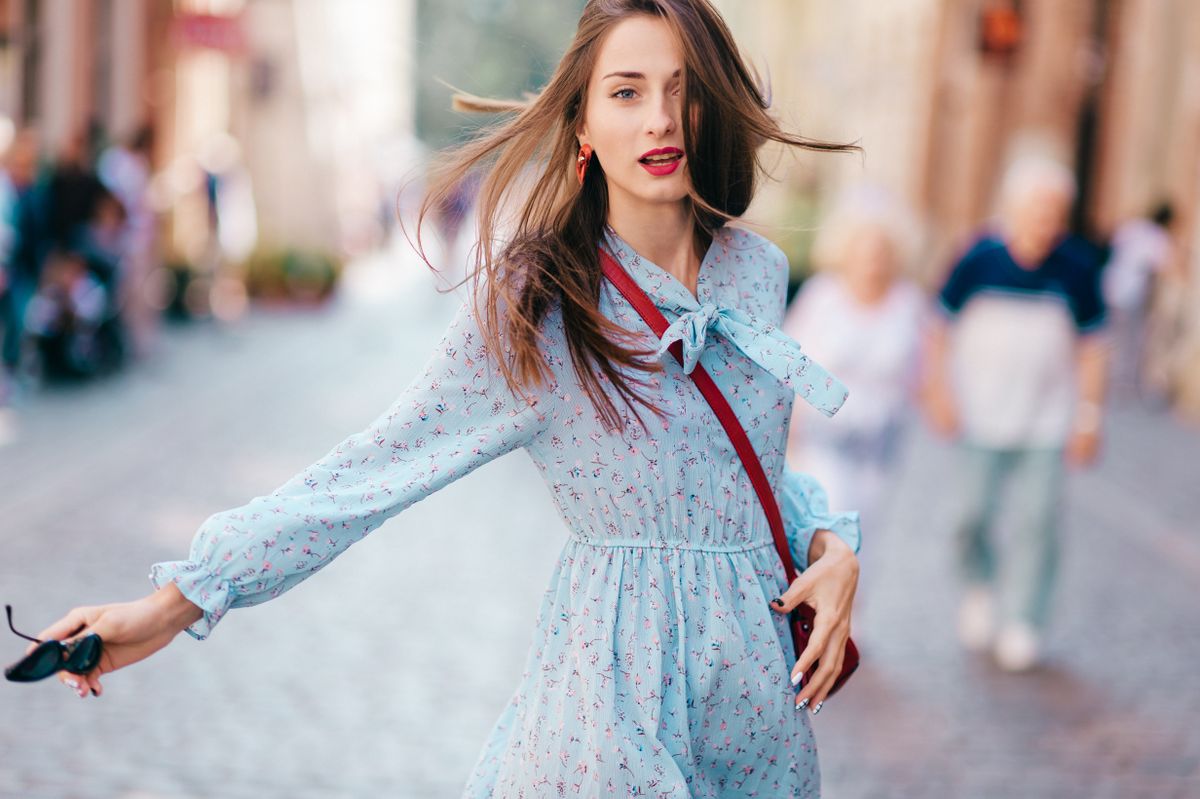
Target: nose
{"x": 663, "y": 115}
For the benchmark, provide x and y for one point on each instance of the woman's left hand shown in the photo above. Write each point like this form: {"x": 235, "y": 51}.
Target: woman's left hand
{"x": 827, "y": 586}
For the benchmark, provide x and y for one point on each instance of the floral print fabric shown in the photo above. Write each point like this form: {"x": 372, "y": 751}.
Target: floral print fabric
{"x": 657, "y": 668}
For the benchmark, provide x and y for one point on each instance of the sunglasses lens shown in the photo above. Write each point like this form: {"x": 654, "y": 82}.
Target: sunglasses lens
{"x": 83, "y": 654}
{"x": 37, "y": 665}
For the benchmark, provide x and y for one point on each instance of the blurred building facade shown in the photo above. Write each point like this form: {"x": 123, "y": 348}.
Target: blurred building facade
{"x": 941, "y": 93}
{"x": 298, "y": 98}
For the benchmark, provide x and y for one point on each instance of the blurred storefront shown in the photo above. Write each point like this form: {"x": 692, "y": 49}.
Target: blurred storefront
{"x": 941, "y": 93}
{"x": 271, "y": 119}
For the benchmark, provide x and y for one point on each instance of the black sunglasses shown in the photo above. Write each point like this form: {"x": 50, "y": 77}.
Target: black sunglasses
{"x": 49, "y": 657}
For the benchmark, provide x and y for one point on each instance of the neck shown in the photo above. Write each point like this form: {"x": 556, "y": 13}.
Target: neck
{"x": 867, "y": 294}
{"x": 1025, "y": 255}
{"x": 661, "y": 233}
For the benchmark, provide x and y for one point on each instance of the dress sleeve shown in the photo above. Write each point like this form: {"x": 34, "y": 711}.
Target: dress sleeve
{"x": 805, "y": 509}
{"x": 456, "y": 416}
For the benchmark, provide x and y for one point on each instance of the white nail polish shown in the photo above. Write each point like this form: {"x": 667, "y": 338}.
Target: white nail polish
{"x": 796, "y": 679}
{"x": 72, "y": 683}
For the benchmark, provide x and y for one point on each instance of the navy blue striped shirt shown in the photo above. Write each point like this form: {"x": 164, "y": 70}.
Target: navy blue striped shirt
{"x": 1067, "y": 274}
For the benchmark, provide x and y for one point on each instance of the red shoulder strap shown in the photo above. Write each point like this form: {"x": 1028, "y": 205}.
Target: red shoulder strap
{"x": 737, "y": 434}
{"x": 801, "y": 618}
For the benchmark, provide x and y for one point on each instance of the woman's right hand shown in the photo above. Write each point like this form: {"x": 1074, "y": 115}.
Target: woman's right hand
{"x": 130, "y": 631}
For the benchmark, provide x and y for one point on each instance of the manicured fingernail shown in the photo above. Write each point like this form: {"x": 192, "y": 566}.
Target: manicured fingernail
{"x": 817, "y": 708}
{"x": 95, "y": 692}
{"x": 797, "y": 678}
{"x": 72, "y": 683}
{"x": 777, "y": 601}
{"x": 803, "y": 704}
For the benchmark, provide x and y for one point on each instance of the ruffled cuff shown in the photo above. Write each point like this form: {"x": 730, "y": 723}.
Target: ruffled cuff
{"x": 207, "y": 591}
{"x": 805, "y": 509}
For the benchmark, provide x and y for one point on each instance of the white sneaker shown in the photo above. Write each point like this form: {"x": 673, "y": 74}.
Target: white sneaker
{"x": 975, "y": 619}
{"x": 1018, "y": 647}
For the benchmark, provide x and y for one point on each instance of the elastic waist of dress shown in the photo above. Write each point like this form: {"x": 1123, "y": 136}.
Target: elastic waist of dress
{"x": 639, "y": 543}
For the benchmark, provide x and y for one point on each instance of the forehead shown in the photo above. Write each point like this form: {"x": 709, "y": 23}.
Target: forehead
{"x": 640, "y": 43}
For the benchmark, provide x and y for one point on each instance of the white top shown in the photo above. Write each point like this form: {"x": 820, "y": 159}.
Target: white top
{"x": 1139, "y": 249}
{"x": 871, "y": 348}
{"x": 1013, "y": 360}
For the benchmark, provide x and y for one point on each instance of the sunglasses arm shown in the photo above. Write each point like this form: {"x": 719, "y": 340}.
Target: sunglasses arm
{"x": 8, "y": 612}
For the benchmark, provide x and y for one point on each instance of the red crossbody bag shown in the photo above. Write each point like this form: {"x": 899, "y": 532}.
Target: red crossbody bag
{"x": 801, "y": 619}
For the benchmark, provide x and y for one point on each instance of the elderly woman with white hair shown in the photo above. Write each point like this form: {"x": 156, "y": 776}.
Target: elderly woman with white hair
{"x": 1016, "y": 374}
{"x": 860, "y": 315}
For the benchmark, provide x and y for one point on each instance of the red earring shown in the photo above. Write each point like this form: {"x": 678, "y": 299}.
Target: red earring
{"x": 581, "y": 163}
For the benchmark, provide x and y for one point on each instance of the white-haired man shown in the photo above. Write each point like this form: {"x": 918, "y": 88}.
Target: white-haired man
{"x": 1017, "y": 374}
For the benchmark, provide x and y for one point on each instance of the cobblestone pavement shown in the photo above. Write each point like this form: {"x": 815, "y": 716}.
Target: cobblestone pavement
{"x": 382, "y": 675}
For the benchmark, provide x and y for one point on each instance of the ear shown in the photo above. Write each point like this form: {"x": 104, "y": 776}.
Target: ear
{"x": 581, "y": 131}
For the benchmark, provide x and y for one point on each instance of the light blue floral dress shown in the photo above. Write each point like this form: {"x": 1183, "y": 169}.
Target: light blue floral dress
{"x": 657, "y": 668}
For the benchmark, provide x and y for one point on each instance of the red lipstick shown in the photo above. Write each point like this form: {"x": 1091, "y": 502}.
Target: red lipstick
{"x": 661, "y": 161}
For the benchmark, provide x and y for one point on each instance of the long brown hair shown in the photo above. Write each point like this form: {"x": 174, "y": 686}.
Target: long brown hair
{"x": 550, "y": 253}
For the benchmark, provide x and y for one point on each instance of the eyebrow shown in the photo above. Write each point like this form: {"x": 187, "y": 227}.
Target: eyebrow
{"x": 633, "y": 75}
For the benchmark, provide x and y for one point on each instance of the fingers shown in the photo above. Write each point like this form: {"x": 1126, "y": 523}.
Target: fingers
{"x": 66, "y": 627}
{"x": 822, "y": 681}
{"x": 83, "y": 684}
{"x": 93, "y": 682}
{"x": 796, "y": 593}
{"x": 74, "y": 624}
{"x": 826, "y": 648}
{"x": 75, "y": 682}
{"x": 818, "y": 642}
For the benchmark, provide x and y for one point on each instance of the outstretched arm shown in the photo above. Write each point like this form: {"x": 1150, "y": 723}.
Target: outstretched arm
{"x": 456, "y": 416}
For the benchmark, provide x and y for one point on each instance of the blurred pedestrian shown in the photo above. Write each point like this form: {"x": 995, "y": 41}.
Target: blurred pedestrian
{"x": 1017, "y": 373}
{"x": 73, "y": 191}
{"x": 66, "y": 317}
{"x": 104, "y": 246}
{"x": 8, "y": 205}
{"x": 861, "y": 318}
{"x": 662, "y": 661}
{"x": 29, "y": 241}
{"x": 1141, "y": 250}
{"x": 125, "y": 169}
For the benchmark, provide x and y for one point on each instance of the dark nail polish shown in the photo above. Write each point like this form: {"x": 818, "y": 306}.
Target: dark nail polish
{"x": 777, "y": 601}
{"x": 94, "y": 692}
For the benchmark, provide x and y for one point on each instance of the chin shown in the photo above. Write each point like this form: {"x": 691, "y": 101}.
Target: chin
{"x": 663, "y": 192}
{"x": 642, "y": 188}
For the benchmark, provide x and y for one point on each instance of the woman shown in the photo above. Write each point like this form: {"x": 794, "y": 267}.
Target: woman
{"x": 659, "y": 665}
{"x": 860, "y": 317}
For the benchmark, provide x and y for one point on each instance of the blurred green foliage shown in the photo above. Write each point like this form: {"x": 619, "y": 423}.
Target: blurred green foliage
{"x": 290, "y": 274}
{"x": 491, "y": 48}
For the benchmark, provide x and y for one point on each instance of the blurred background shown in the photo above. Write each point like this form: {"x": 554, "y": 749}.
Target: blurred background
{"x": 205, "y": 288}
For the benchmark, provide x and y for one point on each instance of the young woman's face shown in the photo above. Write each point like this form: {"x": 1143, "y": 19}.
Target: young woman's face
{"x": 632, "y": 116}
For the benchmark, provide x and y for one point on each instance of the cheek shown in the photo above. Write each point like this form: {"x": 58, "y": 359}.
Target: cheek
{"x": 613, "y": 131}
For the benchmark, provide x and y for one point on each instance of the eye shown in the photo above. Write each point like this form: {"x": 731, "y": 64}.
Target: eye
{"x": 624, "y": 94}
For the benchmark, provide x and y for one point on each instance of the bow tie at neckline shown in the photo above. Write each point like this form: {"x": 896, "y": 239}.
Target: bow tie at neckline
{"x": 763, "y": 343}
{"x": 691, "y": 328}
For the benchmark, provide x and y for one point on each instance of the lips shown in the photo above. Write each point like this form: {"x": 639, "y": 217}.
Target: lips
{"x": 661, "y": 161}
